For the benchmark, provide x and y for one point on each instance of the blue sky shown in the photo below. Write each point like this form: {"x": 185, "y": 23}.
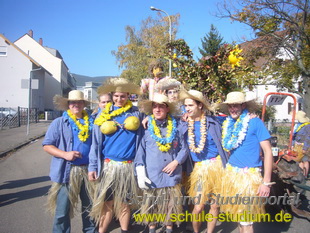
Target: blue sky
{"x": 86, "y": 31}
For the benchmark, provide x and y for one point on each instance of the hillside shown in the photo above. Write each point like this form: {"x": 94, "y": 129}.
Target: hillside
{"x": 81, "y": 79}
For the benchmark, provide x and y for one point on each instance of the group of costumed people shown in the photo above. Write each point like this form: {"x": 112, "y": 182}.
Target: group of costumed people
{"x": 108, "y": 158}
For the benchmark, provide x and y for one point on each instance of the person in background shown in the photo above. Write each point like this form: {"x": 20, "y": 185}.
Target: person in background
{"x": 68, "y": 140}
{"x": 160, "y": 154}
{"x": 243, "y": 137}
{"x": 103, "y": 100}
{"x": 156, "y": 70}
{"x": 302, "y": 135}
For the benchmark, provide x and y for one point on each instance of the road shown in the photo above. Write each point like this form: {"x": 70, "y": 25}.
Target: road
{"x": 24, "y": 183}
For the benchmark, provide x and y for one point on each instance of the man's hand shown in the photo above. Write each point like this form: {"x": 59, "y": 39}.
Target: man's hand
{"x": 145, "y": 122}
{"x": 92, "y": 176}
{"x": 171, "y": 167}
{"x": 72, "y": 155}
{"x": 184, "y": 117}
{"x": 263, "y": 190}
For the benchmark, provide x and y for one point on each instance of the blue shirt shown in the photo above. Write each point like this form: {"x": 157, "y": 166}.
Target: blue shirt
{"x": 215, "y": 131}
{"x": 59, "y": 134}
{"x": 209, "y": 151}
{"x": 118, "y": 146}
{"x": 154, "y": 160}
{"x": 96, "y": 156}
{"x": 82, "y": 147}
{"x": 248, "y": 153}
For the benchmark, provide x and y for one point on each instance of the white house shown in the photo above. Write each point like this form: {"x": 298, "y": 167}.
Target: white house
{"x": 52, "y": 61}
{"x": 259, "y": 91}
{"x": 16, "y": 68}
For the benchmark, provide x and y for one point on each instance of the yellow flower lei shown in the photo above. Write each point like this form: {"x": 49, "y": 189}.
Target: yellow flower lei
{"x": 166, "y": 147}
{"x": 105, "y": 115}
{"x": 83, "y": 129}
{"x": 191, "y": 135}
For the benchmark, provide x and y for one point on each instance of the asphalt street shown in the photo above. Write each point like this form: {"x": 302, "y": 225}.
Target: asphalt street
{"x": 24, "y": 183}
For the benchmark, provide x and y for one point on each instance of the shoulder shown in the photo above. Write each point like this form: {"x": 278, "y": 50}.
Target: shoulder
{"x": 213, "y": 120}
{"x": 256, "y": 121}
{"x": 182, "y": 126}
{"x": 134, "y": 109}
{"x": 58, "y": 121}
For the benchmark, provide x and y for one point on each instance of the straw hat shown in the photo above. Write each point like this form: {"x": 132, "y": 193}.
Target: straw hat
{"x": 195, "y": 95}
{"x": 301, "y": 117}
{"x": 61, "y": 103}
{"x": 146, "y": 106}
{"x": 167, "y": 84}
{"x": 118, "y": 85}
{"x": 237, "y": 97}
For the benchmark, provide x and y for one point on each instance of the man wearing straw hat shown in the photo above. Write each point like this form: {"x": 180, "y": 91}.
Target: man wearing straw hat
{"x": 115, "y": 137}
{"x": 68, "y": 140}
{"x": 243, "y": 137}
{"x": 158, "y": 161}
{"x": 302, "y": 135}
{"x": 204, "y": 140}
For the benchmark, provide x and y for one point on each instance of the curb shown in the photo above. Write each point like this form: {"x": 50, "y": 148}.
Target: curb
{"x": 4, "y": 153}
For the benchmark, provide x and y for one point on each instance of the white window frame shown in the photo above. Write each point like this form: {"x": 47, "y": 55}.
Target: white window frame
{"x": 3, "y": 51}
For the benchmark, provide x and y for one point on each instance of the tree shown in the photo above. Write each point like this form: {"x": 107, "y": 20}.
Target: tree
{"x": 284, "y": 26}
{"x": 211, "y": 42}
{"x": 216, "y": 75}
{"x": 144, "y": 46}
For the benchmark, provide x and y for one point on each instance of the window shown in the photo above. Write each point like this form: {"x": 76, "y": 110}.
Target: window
{"x": 3, "y": 50}
{"x": 89, "y": 94}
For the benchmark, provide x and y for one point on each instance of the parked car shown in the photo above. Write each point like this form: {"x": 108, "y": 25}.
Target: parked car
{"x": 7, "y": 112}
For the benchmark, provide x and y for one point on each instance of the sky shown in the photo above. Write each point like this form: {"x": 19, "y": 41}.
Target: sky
{"x": 86, "y": 31}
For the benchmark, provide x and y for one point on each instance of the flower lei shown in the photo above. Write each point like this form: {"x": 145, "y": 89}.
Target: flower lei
{"x": 203, "y": 133}
{"x": 164, "y": 144}
{"x": 105, "y": 115}
{"x": 83, "y": 130}
{"x": 234, "y": 132}
{"x": 302, "y": 125}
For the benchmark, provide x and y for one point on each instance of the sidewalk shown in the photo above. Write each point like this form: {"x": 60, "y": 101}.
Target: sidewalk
{"x": 11, "y": 139}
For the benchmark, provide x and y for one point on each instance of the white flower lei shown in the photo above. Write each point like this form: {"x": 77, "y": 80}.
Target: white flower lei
{"x": 234, "y": 132}
{"x": 203, "y": 134}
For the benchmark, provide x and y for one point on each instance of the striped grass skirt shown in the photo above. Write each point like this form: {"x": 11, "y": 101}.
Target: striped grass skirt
{"x": 117, "y": 179}
{"x": 243, "y": 183}
{"x": 78, "y": 175}
{"x": 162, "y": 202}
{"x": 206, "y": 178}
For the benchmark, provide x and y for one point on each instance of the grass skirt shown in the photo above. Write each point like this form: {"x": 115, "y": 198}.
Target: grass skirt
{"x": 243, "y": 183}
{"x": 78, "y": 175}
{"x": 117, "y": 177}
{"x": 206, "y": 178}
{"x": 52, "y": 198}
{"x": 161, "y": 203}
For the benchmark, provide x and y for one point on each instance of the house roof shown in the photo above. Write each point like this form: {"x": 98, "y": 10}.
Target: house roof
{"x": 23, "y": 53}
{"x": 263, "y": 45}
{"x": 52, "y": 51}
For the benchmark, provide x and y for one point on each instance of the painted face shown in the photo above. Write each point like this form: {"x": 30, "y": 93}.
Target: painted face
{"x": 193, "y": 109}
{"x": 160, "y": 111}
{"x": 76, "y": 107}
{"x": 235, "y": 110}
{"x": 120, "y": 98}
{"x": 173, "y": 95}
{"x": 103, "y": 100}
